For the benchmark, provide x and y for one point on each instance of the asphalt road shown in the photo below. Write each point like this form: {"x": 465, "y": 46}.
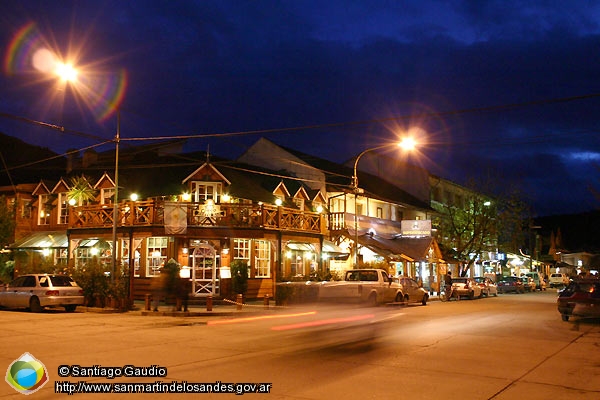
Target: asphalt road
{"x": 505, "y": 347}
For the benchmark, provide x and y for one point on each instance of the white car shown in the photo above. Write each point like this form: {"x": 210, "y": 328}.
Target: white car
{"x": 558, "y": 279}
{"x": 488, "y": 286}
{"x": 464, "y": 286}
{"x": 36, "y": 291}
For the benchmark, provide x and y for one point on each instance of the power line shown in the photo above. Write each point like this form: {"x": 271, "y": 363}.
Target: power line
{"x": 503, "y": 107}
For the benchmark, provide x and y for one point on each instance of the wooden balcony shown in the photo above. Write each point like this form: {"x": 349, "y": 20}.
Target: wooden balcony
{"x": 152, "y": 213}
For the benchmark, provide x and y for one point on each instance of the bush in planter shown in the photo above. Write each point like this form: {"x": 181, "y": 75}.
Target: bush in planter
{"x": 171, "y": 278}
{"x": 118, "y": 288}
{"x": 95, "y": 283}
{"x": 239, "y": 276}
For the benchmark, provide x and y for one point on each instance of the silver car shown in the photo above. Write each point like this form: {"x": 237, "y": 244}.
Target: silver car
{"x": 463, "y": 286}
{"x": 488, "y": 286}
{"x": 413, "y": 292}
{"x": 36, "y": 291}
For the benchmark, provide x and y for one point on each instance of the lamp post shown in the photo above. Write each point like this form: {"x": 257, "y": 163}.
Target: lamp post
{"x": 116, "y": 200}
{"x": 406, "y": 144}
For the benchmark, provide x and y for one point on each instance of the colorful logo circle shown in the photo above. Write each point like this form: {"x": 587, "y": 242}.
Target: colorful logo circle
{"x": 26, "y": 374}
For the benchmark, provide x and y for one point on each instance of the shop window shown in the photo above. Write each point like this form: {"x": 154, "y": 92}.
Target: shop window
{"x": 157, "y": 255}
{"x": 262, "y": 259}
{"x": 241, "y": 250}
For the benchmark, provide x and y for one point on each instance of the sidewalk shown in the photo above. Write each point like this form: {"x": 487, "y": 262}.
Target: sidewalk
{"x": 219, "y": 308}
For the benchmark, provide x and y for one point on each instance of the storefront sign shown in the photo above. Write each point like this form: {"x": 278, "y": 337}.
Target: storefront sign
{"x": 416, "y": 228}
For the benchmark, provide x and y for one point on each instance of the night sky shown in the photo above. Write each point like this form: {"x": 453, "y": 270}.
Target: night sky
{"x": 504, "y": 90}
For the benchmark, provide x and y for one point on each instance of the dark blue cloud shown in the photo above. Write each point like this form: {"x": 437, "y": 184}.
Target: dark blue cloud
{"x": 229, "y": 66}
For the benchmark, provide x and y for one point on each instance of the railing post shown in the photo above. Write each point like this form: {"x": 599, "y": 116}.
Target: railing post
{"x": 266, "y": 302}
{"x": 209, "y": 303}
{"x": 239, "y": 301}
{"x": 148, "y": 301}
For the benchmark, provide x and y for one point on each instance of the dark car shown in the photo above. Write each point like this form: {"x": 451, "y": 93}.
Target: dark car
{"x": 510, "y": 284}
{"x": 580, "y": 298}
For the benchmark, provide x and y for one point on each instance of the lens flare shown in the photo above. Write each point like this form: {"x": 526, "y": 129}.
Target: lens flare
{"x": 20, "y": 51}
{"x": 102, "y": 92}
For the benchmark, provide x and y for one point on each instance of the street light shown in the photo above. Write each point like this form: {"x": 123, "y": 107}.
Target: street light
{"x": 69, "y": 74}
{"x": 408, "y": 144}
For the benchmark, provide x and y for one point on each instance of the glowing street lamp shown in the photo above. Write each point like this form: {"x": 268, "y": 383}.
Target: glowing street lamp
{"x": 66, "y": 72}
{"x": 407, "y": 143}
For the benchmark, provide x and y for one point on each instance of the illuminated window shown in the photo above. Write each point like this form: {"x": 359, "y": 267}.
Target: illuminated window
{"x": 107, "y": 195}
{"x": 202, "y": 191}
{"x": 156, "y": 255}
{"x": 262, "y": 258}
{"x": 241, "y": 250}
{"x": 299, "y": 202}
{"x": 63, "y": 211}
{"x": 44, "y": 208}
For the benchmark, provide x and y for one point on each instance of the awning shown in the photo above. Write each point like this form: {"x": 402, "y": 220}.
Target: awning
{"x": 300, "y": 246}
{"x": 42, "y": 240}
{"x": 330, "y": 247}
{"x": 408, "y": 249}
{"x": 334, "y": 251}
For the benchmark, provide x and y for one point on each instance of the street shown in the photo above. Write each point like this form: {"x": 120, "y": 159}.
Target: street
{"x": 506, "y": 347}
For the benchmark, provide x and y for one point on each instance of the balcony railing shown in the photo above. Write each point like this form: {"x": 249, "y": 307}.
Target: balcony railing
{"x": 152, "y": 213}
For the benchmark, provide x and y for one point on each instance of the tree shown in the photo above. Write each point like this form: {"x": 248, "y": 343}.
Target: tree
{"x": 81, "y": 190}
{"x": 481, "y": 223}
{"x": 7, "y": 221}
{"x": 468, "y": 227}
{"x": 511, "y": 216}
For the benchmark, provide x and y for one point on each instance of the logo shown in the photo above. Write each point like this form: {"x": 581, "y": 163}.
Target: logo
{"x": 26, "y": 374}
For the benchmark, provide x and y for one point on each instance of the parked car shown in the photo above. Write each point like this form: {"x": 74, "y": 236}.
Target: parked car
{"x": 37, "y": 291}
{"x": 528, "y": 283}
{"x": 463, "y": 286}
{"x": 413, "y": 292}
{"x": 510, "y": 284}
{"x": 558, "y": 279}
{"x": 488, "y": 286}
{"x": 540, "y": 284}
{"x": 580, "y": 298}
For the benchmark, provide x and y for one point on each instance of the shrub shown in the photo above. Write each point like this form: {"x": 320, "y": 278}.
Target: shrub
{"x": 239, "y": 276}
{"x": 93, "y": 280}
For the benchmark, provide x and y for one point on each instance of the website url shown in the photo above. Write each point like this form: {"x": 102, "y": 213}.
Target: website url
{"x": 179, "y": 387}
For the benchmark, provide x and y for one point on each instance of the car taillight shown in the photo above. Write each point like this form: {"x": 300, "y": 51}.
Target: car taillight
{"x": 52, "y": 293}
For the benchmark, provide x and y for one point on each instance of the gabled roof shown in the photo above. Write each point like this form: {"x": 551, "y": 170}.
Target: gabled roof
{"x": 105, "y": 177}
{"x": 59, "y": 183}
{"x": 339, "y": 178}
{"x": 41, "y": 188}
{"x": 203, "y": 167}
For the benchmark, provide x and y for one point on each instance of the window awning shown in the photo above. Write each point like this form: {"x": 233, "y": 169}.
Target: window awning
{"x": 42, "y": 240}
{"x": 300, "y": 246}
{"x": 334, "y": 251}
{"x": 330, "y": 247}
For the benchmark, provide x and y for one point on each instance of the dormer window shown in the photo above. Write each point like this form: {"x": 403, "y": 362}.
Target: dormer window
{"x": 202, "y": 191}
{"x": 299, "y": 202}
{"x": 63, "y": 211}
{"x": 107, "y": 195}
{"x": 44, "y": 208}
